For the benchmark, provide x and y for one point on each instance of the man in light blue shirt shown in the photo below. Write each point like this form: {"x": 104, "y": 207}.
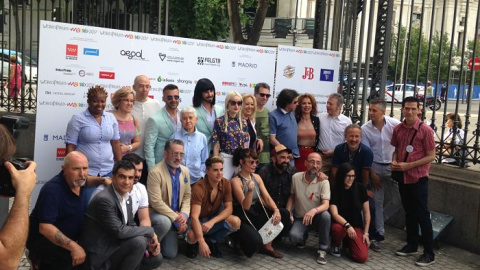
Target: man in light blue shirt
{"x": 196, "y": 145}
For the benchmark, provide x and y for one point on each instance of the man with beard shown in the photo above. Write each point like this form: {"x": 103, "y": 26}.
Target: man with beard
{"x": 310, "y": 196}
{"x": 162, "y": 125}
{"x": 207, "y": 111}
{"x": 277, "y": 175}
{"x": 57, "y": 218}
{"x": 168, "y": 187}
{"x": 262, "y": 94}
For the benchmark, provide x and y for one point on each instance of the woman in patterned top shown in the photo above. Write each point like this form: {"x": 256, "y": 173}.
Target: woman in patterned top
{"x": 308, "y": 129}
{"x": 128, "y": 126}
{"x": 230, "y": 131}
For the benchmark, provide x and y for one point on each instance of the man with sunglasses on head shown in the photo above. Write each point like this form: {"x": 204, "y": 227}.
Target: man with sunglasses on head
{"x": 262, "y": 95}
{"x": 169, "y": 192}
{"x": 162, "y": 125}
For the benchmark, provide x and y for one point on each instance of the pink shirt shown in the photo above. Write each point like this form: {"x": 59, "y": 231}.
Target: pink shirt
{"x": 423, "y": 142}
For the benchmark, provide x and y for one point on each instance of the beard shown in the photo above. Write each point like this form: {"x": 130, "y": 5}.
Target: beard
{"x": 282, "y": 166}
{"x": 80, "y": 183}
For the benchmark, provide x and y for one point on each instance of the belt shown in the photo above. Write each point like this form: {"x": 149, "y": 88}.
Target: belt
{"x": 383, "y": 164}
{"x": 306, "y": 147}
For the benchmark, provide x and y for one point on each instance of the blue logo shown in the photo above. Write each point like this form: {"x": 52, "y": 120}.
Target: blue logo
{"x": 45, "y": 137}
{"x": 326, "y": 75}
{"x": 81, "y": 73}
{"x": 90, "y": 51}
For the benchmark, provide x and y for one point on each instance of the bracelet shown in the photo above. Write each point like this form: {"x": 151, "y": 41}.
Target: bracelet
{"x": 316, "y": 210}
{"x": 130, "y": 147}
{"x": 345, "y": 224}
{"x": 348, "y": 226}
{"x": 366, "y": 234}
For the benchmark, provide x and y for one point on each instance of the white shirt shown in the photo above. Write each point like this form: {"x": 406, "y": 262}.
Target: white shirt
{"x": 142, "y": 111}
{"x": 379, "y": 140}
{"x": 123, "y": 203}
{"x": 332, "y": 130}
{"x": 139, "y": 197}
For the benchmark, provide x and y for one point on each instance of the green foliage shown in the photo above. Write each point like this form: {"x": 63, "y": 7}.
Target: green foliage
{"x": 416, "y": 42}
{"x": 199, "y": 19}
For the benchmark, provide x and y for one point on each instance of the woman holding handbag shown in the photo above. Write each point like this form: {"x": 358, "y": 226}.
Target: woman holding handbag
{"x": 254, "y": 206}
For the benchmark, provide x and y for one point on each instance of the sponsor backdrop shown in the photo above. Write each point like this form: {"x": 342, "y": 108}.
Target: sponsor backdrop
{"x": 308, "y": 71}
{"x": 74, "y": 58}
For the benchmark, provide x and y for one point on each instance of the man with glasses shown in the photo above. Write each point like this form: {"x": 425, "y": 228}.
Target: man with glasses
{"x": 310, "y": 197}
{"x": 207, "y": 111}
{"x": 283, "y": 125}
{"x": 162, "y": 125}
{"x": 169, "y": 193}
{"x": 262, "y": 94}
{"x": 144, "y": 106}
{"x": 277, "y": 175}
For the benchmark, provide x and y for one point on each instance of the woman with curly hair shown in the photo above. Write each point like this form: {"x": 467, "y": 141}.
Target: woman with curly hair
{"x": 308, "y": 129}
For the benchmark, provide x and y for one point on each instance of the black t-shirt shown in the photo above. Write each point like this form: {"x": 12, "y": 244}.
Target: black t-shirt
{"x": 344, "y": 200}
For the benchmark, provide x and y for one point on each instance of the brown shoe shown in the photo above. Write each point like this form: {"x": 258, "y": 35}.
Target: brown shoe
{"x": 271, "y": 253}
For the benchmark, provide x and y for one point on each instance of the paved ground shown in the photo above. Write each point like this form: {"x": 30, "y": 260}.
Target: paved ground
{"x": 447, "y": 257}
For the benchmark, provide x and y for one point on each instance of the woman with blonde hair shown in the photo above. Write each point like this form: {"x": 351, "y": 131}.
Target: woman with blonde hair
{"x": 249, "y": 110}
{"x": 128, "y": 126}
{"x": 230, "y": 131}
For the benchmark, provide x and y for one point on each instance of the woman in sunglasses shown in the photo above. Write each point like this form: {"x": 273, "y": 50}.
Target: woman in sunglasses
{"x": 308, "y": 129}
{"x": 230, "y": 131}
{"x": 350, "y": 214}
{"x": 249, "y": 109}
{"x": 250, "y": 201}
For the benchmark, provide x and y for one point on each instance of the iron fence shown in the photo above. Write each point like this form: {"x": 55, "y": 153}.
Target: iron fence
{"x": 390, "y": 49}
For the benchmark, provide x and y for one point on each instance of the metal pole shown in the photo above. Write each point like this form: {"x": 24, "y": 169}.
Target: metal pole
{"x": 166, "y": 17}
{"x": 295, "y": 24}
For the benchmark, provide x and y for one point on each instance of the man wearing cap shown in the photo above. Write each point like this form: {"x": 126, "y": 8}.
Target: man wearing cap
{"x": 277, "y": 175}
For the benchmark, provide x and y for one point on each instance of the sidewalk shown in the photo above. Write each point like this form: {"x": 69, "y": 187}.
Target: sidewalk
{"x": 447, "y": 257}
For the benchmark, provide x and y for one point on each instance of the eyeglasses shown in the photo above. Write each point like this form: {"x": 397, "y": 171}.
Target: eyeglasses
{"x": 176, "y": 97}
{"x": 233, "y": 103}
{"x": 177, "y": 154}
{"x": 313, "y": 162}
{"x": 350, "y": 176}
{"x": 254, "y": 162}
{"x": 264, "y": 95}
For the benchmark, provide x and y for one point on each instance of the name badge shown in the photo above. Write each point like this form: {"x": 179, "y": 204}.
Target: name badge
{"x": 409, "y": 148}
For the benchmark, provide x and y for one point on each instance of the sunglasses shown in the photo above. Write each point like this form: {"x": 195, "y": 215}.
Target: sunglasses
{"x": 264, "y": 95}
{"x": 176, "y": 97}
{"x": 254, "y": 162}
{"x": 233, "y": 103}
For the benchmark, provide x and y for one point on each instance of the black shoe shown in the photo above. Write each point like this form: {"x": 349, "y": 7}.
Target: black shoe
{"x": 375, "y": 246}
{"x": 214, "y": 250}
{"x": 406, "y": 250}
{"x": 380, "y": 238}
{"x": 192, "y": 251}
{"x": 425, "y": 260}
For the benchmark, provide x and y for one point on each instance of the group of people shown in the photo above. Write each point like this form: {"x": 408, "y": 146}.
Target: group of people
{"x": 136, "y": 179}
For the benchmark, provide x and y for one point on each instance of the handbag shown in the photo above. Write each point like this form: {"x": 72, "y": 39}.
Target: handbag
{"x": 269, "y": 231}
{"x": 398, "y": 175}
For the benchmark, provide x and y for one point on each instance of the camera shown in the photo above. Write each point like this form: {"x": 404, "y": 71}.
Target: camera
{"x": 13, "y": 124}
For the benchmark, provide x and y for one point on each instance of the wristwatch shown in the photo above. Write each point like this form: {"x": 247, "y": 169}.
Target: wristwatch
{"x": 130, "y": 147}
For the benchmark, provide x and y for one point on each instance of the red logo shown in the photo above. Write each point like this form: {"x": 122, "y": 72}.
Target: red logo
{"x": 309, "y": 73}
{"x": 61, "y": 152}
{"x": 72, "y": 50}
{"x": 106, "y": 75}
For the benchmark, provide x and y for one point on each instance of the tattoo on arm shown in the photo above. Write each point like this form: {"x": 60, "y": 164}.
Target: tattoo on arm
{"x": 61, "y": 239}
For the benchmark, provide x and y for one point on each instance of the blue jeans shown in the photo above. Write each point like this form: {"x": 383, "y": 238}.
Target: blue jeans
{"x": 166, "y": 233}
{"x": 218, "y": 232}
{"x": 321, "y": 222}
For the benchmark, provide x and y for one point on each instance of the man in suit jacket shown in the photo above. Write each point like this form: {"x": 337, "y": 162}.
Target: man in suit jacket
{"x": 110, "y": 237}
{"x": 162, "y": 125}
{"x": 207, "y": 111}
{"x": 168, "y": 187}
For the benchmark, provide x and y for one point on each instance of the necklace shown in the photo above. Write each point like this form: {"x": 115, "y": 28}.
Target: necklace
{"x": 351, "y": 157}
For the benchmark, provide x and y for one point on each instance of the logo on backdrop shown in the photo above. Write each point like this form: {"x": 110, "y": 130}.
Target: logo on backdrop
{"x": 65, "y": 71}
{"x": 90, "y": 51}
{"x": 208, "y": 61}
{"x": 106, "y": 75}
{"x": 46, "y": 137}
{"x": 173, "y": 59}
{"x": 309, "y": 73}
{"x": 288, "y": 71}
{"x": 83, "y": 73}
{"x": 244, "y": 65}
{"x": 326, "y": 75}
{"x": 61, "y": 153}
{"x": 72, "y": 52}
{"x": 132, "y": 55}
{"x": 163, "y": 79}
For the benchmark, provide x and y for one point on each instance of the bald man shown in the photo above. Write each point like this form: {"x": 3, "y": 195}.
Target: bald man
{"x": 57, "y": 218}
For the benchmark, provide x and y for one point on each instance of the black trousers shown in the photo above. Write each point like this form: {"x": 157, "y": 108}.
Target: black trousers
{"x": 415, "y": 203}
{"x": 51, "y": 256}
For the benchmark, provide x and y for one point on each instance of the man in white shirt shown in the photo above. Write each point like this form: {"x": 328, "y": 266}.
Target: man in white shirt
{"x": 377, "y": 134}
{"x": 332, "y": 127}
{"x": 143, "y": 107}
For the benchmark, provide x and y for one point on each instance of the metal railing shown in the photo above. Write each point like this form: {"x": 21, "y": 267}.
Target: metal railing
{"x": 394, "y": 45}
